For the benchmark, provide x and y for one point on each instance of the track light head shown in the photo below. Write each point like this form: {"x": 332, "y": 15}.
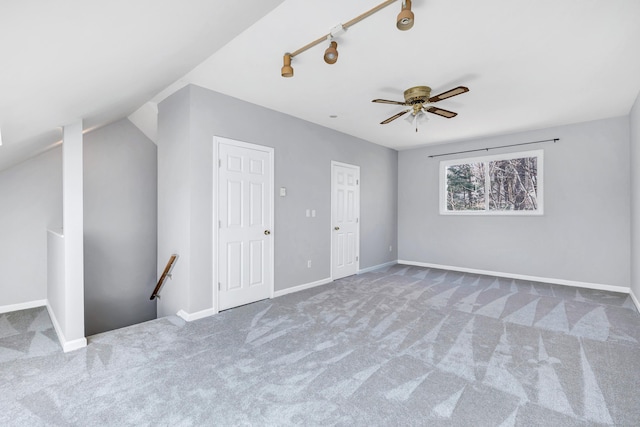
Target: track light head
{"x": 331, "y": 54}
{"x": 287, "y": 69}
{"x": 405, "y": 17}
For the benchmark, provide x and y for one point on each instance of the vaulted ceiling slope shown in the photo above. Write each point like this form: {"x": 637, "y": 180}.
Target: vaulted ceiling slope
{"x": 99, "y": 61}
{"x": 528, "y": 65}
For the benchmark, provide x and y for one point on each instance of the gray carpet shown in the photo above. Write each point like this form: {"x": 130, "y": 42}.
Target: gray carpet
{"x": 404, "y": 347}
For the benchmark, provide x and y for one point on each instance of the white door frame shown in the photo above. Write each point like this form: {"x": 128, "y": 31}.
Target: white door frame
{"x": 335, "y": 163}
{"x": 216, "y": 169}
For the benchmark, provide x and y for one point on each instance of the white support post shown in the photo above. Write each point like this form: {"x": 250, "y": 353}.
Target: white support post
{"x": 73, "y": 226}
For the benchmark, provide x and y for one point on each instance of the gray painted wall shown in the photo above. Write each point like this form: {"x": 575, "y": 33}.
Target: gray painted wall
{"x": 634, "y": 126}
{"x": 303, "y": 154}
{"x": 31, "y": 201}
{"x": 120, "y": 227}
{"x": 582, "y": 236}
{"x": 174, "y": 195}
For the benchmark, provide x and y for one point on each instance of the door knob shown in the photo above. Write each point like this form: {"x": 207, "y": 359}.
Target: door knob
{"x": 336, "y": 228}
{"x": 267, "y": 232}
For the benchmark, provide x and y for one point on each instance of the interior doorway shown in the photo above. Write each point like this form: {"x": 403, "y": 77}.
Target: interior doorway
{"x": 243, "y": 223}
{"x": 345, "y": 220}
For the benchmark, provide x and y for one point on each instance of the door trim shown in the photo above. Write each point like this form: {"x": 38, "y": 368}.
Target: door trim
{"x": 347, "y": 165}
{"x": 217, "y": 140}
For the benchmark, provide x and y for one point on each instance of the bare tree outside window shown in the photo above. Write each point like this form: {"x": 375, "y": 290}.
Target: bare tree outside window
{"x": 506, "y": 184}
{"x": 513, "y": 184}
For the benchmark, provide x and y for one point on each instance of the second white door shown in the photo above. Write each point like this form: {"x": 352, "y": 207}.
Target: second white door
{"x": 245, "y": 210}
{"x": 345, "y": 220}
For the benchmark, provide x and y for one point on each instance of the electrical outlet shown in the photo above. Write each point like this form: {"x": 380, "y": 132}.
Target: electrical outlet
{"x": 309, "y": 264}
{"x": 390, "y": 248}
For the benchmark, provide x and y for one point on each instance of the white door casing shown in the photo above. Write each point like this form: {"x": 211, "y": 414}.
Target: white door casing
{"x": 345, "y": 220}
{"x": 243, "y": 223}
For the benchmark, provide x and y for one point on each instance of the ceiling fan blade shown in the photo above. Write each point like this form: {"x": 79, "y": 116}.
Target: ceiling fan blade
{"x": 448, "y": 94}
{"x": 392, "y": 118}
{"x": 444, "y": 113}
{"x": 386, "y": 101}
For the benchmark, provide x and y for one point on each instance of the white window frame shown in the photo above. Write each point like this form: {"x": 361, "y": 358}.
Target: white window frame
{"x": 486, "y": 159}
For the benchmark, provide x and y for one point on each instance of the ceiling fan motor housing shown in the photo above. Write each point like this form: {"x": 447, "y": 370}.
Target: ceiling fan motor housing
{"x": 417, "y": 94}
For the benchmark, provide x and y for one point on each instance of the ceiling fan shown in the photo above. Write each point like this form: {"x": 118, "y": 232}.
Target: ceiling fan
{"x": 421, "y": 102}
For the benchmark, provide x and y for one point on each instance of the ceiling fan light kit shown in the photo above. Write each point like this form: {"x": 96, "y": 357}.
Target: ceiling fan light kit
{"x": 404, "y": 22}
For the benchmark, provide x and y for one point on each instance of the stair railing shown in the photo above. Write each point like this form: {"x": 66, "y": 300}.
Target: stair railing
{"x": 166, "y": 273}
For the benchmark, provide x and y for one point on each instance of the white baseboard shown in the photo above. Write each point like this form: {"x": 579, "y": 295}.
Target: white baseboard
{"x": 564, "y": 282}
{"x": 74, "y": 345}
{"x": 67, "y": 346}
{"x": 634, "y": 299}
{"x": 190, "y": 317}
{"x": 22, "y": 306}
{"x": 376, "y": 267}
{"x": 301, "y": 287}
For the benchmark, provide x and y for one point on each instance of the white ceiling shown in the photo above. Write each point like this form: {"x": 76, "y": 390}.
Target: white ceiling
{"x": 99, "y": 61}
{"x": 528, "y": 64}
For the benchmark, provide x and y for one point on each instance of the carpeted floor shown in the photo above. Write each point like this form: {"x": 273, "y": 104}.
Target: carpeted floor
{"x": 407, "y": 346}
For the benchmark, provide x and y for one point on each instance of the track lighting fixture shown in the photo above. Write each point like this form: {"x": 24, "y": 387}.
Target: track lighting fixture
{"x": 331, "y": 54}
{"x": 287, "y": 69}
{"x": 405, "y": 17}
{"x": 404, "y": 22}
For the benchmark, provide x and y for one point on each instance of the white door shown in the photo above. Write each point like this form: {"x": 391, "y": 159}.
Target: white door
{"x": 245, "y": 218}
{"x": 345, "y": 218}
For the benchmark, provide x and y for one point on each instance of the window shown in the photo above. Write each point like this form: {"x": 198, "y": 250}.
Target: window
{"x": 505, "y": 184}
